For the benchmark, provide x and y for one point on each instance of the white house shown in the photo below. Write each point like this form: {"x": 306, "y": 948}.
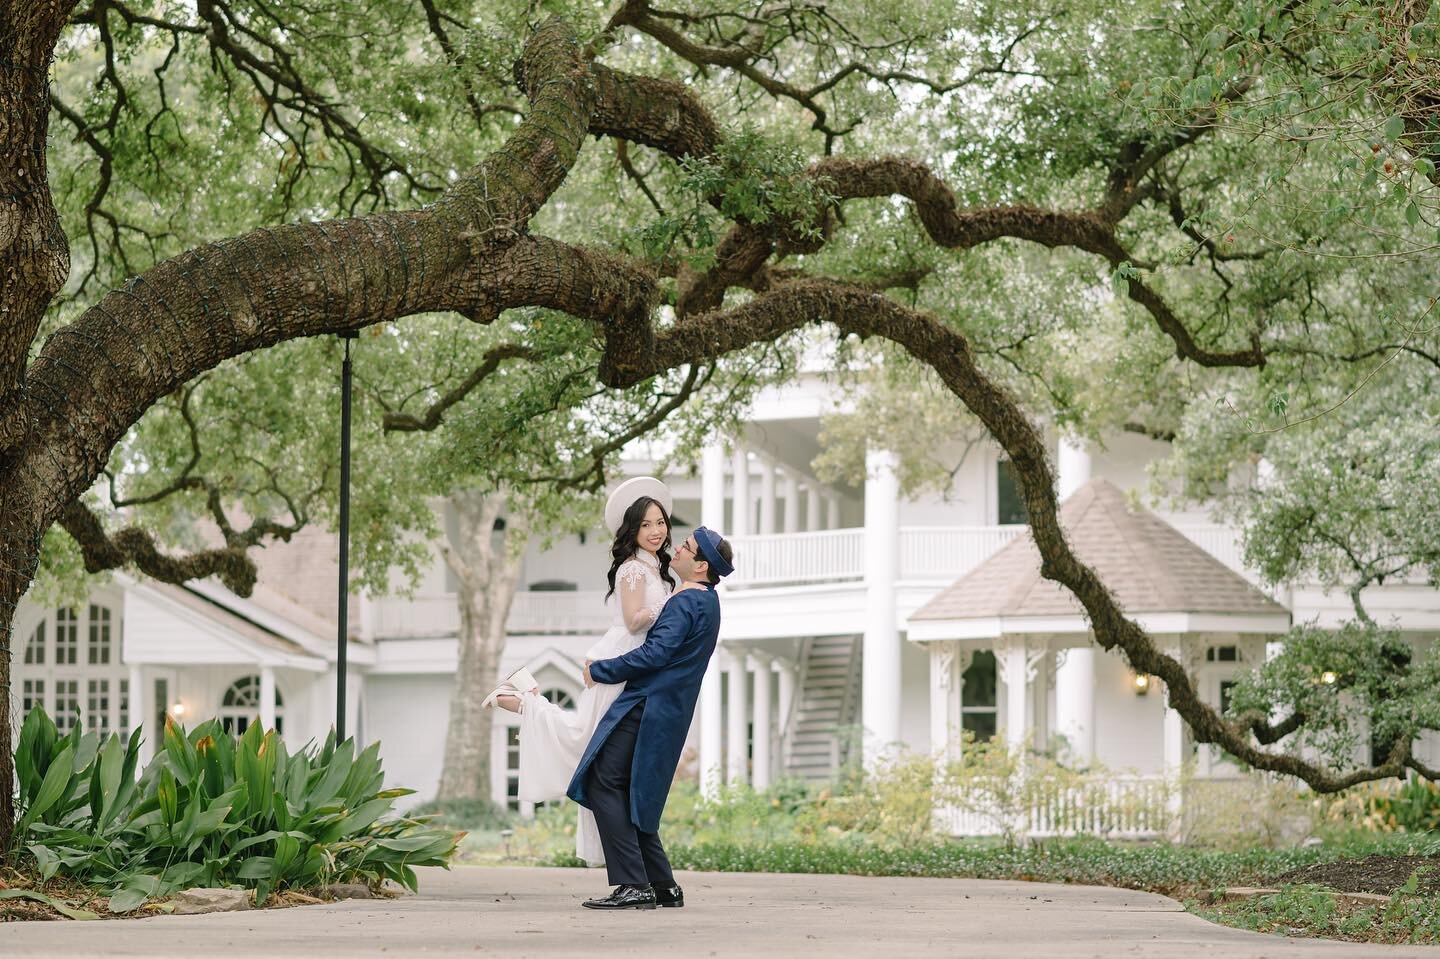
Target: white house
{"x": 850, "y": 609}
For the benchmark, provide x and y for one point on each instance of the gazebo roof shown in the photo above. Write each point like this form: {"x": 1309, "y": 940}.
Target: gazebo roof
{"x": 1151, "y": 567}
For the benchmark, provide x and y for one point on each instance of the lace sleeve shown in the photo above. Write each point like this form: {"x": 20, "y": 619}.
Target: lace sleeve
{"x": 630, "y": 581}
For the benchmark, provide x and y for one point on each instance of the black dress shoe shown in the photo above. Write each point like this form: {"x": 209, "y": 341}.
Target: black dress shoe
{"x": 668, "y": 895}
{"x": 625, "y": 897}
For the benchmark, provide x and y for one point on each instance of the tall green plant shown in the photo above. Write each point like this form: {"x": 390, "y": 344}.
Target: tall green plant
{"x": 211, "y": 809}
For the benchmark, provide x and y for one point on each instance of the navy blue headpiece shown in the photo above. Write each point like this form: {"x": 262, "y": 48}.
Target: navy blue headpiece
{"x": 709, "y": 542}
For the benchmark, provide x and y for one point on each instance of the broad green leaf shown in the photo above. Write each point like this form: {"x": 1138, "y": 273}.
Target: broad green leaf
{"x": 59, "y": 905}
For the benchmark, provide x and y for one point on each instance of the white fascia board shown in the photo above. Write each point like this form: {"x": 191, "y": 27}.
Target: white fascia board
{"x": 411, "y": 656}
{"x": 930, "y": 630}
{"x": 1254, "y": 623}
{"x": 245, "y": 651}
{"x": 358, "y": 653}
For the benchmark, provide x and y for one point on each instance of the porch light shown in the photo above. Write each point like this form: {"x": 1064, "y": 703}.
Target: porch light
{"x": 1329, "y": 677}
{"x": 177, "y": 710}
{"x": 1141, "y": 681}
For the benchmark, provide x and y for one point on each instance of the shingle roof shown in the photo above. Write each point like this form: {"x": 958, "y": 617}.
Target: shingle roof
{"x": 1149, "y": 565}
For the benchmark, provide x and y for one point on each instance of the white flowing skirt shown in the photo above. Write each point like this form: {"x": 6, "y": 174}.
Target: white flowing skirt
{"x": 552, "y": 740}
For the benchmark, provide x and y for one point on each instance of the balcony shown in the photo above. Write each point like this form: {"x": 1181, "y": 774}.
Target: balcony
{"x": 581, "y": 611}
{"x": 934, "y": 555}
{"x": 927, "y": 553}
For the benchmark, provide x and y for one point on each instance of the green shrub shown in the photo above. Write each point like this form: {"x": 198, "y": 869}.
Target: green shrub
{"x": 211, "y": 810}
{"x": 1252, "y": 809}
{"x": 1160, "y": 867}
{"x": 1412, "y": 806}
{"x": 470, "y": 815}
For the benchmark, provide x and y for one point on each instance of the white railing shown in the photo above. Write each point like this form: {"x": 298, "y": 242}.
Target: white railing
{"x": 949, "y": 552}
{"x": 580, "y": 611}
{"x": 1118, "y": 807}
{"x": 1221, "y": 542}
{"x": 532, "y": 612}
{"x": 825, "y": 555}
{"x": 926, "y": 552}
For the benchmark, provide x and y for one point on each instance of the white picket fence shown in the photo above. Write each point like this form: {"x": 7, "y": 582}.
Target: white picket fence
{"x": 1117, "y": 807}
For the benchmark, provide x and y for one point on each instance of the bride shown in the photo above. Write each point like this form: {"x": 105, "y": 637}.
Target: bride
{"x": 552, "y": 739}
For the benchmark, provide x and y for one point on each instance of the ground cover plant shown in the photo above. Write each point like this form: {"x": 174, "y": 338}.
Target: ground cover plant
{"x": 210, "y": 809}
{"x": 1375, "y": 839}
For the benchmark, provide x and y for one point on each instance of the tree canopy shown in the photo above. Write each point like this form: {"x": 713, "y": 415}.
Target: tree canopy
{"x": 1209, "y": 222}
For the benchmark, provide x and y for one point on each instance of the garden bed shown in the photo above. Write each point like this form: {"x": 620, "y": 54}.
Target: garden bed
{"x": 32, "y": 899}
{"x": 1376, "y": 873}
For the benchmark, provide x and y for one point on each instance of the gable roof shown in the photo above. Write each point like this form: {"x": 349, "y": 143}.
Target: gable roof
{"x": 1150, "y": 566}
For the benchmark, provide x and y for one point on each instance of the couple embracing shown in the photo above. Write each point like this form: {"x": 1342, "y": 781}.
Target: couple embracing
{"x": 615, "y": 754}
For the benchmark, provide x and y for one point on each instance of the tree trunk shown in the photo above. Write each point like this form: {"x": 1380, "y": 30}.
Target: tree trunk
{"x": 488, "y": 568}
{"x": 34, "y": 254}
{"x": 19, "y": 557}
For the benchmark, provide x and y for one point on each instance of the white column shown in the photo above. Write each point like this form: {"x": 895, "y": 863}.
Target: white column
{"x": 740, "y": 497}
{"x": 140, "y": 717}
{"x": 712, "y": 486}
{"x": 944, "y": 701}
{"x": 1010, "y": 659}
{"x": 812, "y": 507}
{"x": 1173, "y": 731}
{"x": 880, "y": 663}
{"x": 737, "y": 740}
{"x": 760, "y": 720}
{"x": 767, "y": 496}
{"x": 1073, "y": 465}
{"x": 712, "y": 514}
{"x": 1075, "y": 701}
{"x": 711, "y": 731}
{"x": 785, "y": 700}
{"x": 832, "y": 512}
{"x": 790, "y": 493}
{"x": 267, "y": 698}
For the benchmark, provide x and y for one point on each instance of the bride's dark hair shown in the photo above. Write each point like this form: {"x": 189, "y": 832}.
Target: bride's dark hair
{"x": 625, "y": 547}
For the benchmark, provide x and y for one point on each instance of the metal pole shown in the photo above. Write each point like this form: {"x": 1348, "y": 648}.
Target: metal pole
{"x": 343, "y": 613}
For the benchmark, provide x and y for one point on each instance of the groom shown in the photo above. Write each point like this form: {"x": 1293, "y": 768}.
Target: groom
{"x": 624, "y": 776}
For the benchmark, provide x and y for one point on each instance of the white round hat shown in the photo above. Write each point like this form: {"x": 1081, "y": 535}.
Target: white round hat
{"x": 628, "y": 492}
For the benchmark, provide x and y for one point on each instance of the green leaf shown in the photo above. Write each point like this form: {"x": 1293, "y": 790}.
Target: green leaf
{"x": 127, "y": 899}
{"x": 1412, "y": 214}
{"x": 59, "y": 905}
{"x": 1395, "y": 127}
{"x": 55, "y": 785}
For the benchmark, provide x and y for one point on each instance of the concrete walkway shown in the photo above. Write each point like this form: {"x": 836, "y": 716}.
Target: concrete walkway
{"x": 518, "y": 913}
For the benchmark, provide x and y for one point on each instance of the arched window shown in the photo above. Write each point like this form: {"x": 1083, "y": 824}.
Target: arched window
{"x": 67, "y": 637}
{"x": 90, "y": 686}
{"x": 35, "y": 648}
{"x": 559, "y": 697}
{"x": 241, "y": 705}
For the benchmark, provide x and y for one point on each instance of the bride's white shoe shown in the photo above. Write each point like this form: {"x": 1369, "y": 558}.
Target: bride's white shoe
{"x": 516, "y": 684}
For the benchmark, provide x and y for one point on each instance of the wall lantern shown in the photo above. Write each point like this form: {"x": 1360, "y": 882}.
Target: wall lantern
{"x": 1141, "y": 683}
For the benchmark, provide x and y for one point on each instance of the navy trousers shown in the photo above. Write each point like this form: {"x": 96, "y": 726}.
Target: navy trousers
{"x": 632, "y": 857}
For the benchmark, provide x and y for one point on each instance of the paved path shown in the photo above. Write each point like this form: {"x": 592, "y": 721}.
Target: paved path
{"x": 517, "y": 913}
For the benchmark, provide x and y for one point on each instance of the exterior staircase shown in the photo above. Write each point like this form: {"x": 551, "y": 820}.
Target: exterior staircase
{"x": 827, "y": 698}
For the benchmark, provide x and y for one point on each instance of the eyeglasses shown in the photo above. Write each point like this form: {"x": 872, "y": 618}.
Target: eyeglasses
{"x": 689, "y": 547}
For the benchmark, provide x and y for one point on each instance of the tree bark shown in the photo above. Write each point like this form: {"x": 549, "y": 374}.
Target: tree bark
{"x": 34, "y": 254}
{"x": 488, "y": 572}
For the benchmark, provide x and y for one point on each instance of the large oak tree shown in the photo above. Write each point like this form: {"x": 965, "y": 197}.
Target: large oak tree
{"x": 1066, "y": 142}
